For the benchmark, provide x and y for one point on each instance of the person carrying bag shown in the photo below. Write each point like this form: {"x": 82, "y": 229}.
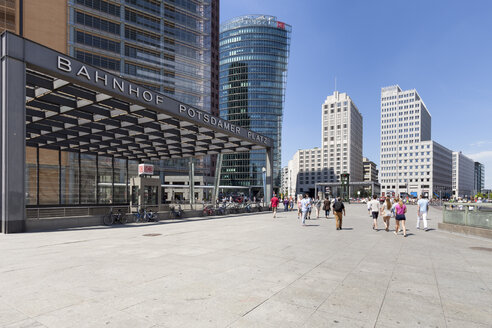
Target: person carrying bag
{"x": 400, "y": 210}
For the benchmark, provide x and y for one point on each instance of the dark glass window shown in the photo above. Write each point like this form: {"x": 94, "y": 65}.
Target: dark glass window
{"x": 105, "y": 180}
{"x": 141, "y": 36}
{"x": 97, "y": 60}
{"x": 49, "y": 179}
{"x": 31, "y": 176}
{"x": 120, "y": 181}
{"x": 147, "y": 21}
{"x": 97, "y": 42}
{"x": 100, "y": 5}
{"x": 69, "y": 174}
{"x": 97, "y": 23}
{"x": 150, "y": 5}
{"x": 88, "y": 168}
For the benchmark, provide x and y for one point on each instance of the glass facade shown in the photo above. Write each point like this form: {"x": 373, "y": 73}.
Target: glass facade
{"x": 163, "y": 45}
{"x": 65, "y": 178}
{"x": 254, "y": 52}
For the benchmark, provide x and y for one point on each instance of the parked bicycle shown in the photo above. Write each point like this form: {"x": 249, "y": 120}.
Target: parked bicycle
{"x": 208, "y": 210}
{"x": 175, "y": 214}
{"x": 145, "y": 216}
{"x": 112, "y": 218}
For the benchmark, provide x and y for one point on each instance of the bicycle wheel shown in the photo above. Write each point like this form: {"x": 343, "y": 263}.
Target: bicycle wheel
{"x": 108, "y": 219}
{"x": 123, "y": 218}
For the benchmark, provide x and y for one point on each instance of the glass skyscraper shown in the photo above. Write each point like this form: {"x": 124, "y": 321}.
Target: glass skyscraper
{"x": 254, "y": 52}
{"x": 163, "y": 45}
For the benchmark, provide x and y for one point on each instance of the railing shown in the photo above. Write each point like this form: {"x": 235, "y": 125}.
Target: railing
{"x": 468, "y": 214}
{"x": 66, "y": 212}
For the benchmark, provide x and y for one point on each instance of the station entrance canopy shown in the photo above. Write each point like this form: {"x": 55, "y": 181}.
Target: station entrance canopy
{"x": 51, "y": 100}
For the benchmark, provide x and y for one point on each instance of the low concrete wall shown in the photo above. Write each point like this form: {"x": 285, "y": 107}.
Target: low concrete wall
{"x": 60, "y": 223}
{"x": 466, "y": 230}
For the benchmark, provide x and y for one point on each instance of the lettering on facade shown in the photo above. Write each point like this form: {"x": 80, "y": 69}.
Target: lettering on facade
{"x": 64, "y": 64}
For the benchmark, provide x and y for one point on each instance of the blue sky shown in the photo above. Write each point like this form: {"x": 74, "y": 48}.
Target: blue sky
{"x": 441, "y": 48}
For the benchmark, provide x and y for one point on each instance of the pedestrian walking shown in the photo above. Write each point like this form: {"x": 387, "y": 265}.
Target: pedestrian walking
{"x": 286, "y": 204}
{"x": 326, "y": 207}
{"x": 422, "y": 210}
{"x": 369, "y": 206}
{"x": 299, "y": 206}
{"x": 305, "y": 202}
{"x": 274, "y": 203}
{"x": 400, "y": 210}
{"x": 338, "y": 210}
{"x": 386, "y": 213}
{"x": 317, "y": 206}
{"x": 373, "y": 206}
{"x": 310, "y": 205}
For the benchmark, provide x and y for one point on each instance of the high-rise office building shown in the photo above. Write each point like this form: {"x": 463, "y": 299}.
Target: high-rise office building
{"x": 463, "y": 175}
{"x": 411, "y": 163}
{"x": 479, "y": 177}
{"x": 370, "y": 170}
{"x": 341, "y": 137}
{"x": 166, "y": 45}
{"x": 341, "y": 151}
{"x": 9, "y": 16}
{"x": 254, "y": 52}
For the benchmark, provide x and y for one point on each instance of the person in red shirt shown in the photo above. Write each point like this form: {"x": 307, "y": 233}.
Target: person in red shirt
{"x": 274, "y": 202}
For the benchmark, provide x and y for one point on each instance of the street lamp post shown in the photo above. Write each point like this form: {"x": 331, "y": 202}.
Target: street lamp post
{"x": 263, "y": 173}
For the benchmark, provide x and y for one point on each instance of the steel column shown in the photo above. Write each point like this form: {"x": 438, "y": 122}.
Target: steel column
{"x": 13, "y": 138}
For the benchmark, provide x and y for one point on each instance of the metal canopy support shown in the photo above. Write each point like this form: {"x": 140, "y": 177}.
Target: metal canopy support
{"x": 13, "y": 140}
{"x": 269, "y": 175}
{"x": 191, "y": 180}
{"x": 218, "y": 169}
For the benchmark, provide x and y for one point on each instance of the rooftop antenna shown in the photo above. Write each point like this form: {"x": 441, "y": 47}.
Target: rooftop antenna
{"x": 335, "y": 83}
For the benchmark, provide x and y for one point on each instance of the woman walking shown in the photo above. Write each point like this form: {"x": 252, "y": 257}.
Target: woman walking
{"x": 400, "y": 210}
{"x": 299, "y": 205}
{"x": 386, "y": 213}
{"x": 317, "y": 206}
{"x": 326, "y": 207}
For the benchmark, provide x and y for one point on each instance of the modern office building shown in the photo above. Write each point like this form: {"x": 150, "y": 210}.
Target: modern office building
{"x": 479, "y": 177}
{"x": 341, "y": 138}
{"x": 284, "y": 185}
{"x": 341, "y": 151}
{"x": 254, "y": 52}
{"x": 370, "y": 170}
{"x": 463, "y": 175}
{"x": 411, "y": 163}
{"x": 305, "y": 170}
{"x": 168, "y": 46}
{"x": 73, "y": 135}
{"x": 9, "y": 16}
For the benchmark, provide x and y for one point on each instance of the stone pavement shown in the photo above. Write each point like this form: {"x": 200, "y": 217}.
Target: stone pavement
{"x": 246, "y": 271}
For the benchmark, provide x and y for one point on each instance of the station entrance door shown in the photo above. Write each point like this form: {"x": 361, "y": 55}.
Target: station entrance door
{"x": 145, "y": 193}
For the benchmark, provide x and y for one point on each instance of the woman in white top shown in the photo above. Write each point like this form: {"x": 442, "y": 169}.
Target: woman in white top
{"x": 386, "y": 212}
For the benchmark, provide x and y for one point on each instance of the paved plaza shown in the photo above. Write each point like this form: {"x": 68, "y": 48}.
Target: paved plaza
{"x": 246, "y": 271}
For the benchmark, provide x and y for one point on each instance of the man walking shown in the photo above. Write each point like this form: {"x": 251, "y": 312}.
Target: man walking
{"x": 274, "y": 202}
{"x": 304, "y": 208}
{"x": 422, "y": 209}
{"x": 374, "y": 208}
{"x": 338, "y": 209}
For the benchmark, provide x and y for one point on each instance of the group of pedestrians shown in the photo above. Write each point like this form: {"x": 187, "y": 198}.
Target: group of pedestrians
{"x": 389, "y": 208}
{"x": 395, "y": 208}
{"x": 306, "y": 204}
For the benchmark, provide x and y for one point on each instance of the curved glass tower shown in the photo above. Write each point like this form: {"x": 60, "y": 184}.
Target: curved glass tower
{"x": 254, "y": 52}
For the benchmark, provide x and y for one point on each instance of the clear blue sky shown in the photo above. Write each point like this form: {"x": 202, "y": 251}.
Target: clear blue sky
{"x": 441, "y": 48}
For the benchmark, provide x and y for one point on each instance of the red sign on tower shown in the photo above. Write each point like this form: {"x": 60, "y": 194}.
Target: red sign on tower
{"x": 281, "y": 25}
{"x": 145, "y": 169}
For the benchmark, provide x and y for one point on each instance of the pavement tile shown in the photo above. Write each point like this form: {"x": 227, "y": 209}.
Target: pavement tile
{"x": 246, "y": 271}
{"x": 280, "y": 314}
